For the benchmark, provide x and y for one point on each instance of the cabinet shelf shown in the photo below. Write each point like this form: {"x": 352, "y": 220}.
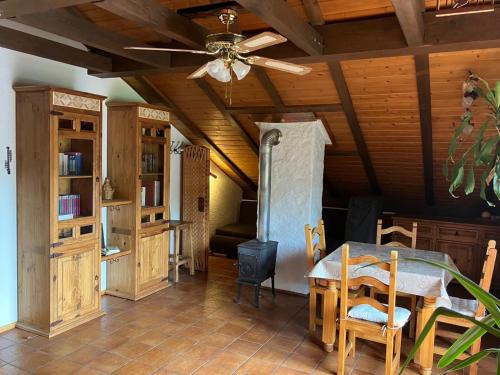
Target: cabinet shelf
{"x": 115, "y": 202}
{"x": 117, "y": 255}
{"x": 153, "y": 174}
{"x": 67, "y": 177}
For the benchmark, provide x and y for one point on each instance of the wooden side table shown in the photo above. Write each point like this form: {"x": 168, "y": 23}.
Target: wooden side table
{"x": 181, "y": 258}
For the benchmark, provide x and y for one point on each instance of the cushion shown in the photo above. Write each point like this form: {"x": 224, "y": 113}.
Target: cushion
{"x": 370, "y": 313}
{"x": 238, "y": 230}
{"x": 464, "y": 306}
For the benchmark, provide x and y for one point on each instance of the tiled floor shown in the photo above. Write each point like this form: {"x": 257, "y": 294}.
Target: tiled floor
{"x": 192, "y": 327}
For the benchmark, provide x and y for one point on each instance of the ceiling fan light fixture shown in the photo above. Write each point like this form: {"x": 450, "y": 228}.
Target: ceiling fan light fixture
{"x": 240, "y": 69}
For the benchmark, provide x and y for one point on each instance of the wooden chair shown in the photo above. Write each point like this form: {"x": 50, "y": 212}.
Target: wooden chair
{"x": 413, "y": 236}
{"x": 467, "y": 307}
{"x": 386, "y": 332}
{"x": 315, "y": 252}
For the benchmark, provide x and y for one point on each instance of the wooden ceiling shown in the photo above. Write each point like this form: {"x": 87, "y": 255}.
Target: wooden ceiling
{"x": 386, "y": 80}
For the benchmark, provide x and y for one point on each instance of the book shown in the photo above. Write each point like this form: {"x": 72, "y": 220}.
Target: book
{"x": 153, "y": 193}
{"x": 69, "y": 204}
{"x": 66, "y": 217}
{"x": 70, "y": 163}
{"x": 143, "y": 196}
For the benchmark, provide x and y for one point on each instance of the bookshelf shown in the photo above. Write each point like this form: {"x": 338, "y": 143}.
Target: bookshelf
{"x": 138, "y": 157}
{"x": 58, "y": 138}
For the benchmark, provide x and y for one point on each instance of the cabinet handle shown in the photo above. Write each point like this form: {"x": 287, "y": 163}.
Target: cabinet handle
{"x": 96, "y": 277}
{"x": 139, "y": 264}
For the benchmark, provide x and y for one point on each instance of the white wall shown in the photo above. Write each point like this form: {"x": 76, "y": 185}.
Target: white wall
{"x": 18, "y": 69}
{"x": 225, "y": 198}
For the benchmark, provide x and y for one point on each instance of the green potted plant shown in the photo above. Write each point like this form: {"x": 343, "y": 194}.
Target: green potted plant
{"x": 490, "y": 323}
{"x": 474, "y": 148}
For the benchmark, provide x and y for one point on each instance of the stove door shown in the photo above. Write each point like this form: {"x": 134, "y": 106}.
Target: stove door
{"x": 248, "y": 266}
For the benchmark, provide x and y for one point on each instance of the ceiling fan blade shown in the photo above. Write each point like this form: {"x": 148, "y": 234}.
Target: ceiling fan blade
{"x": 198, "y": 73}
{"x": 259, "y": 41}
{"x": 171, "y": 50}
{"x": 279, "y": 65}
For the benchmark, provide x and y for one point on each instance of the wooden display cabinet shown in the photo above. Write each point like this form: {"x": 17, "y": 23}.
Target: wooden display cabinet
{"x": 138, "y": 155}
{"x": 58, "y": 257}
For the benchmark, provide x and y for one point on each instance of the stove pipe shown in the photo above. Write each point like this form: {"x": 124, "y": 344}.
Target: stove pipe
{"x": 269, "y": 139}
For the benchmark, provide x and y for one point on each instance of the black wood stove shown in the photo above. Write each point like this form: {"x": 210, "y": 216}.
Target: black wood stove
{"x": 257, "y": 258}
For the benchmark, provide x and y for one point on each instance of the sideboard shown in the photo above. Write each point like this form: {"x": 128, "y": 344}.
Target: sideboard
{"x": 465, "y": 241}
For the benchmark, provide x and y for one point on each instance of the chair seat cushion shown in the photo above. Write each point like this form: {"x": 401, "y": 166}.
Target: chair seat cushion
{"x": 371, "y": 314}
{"x": 464, "y": 306}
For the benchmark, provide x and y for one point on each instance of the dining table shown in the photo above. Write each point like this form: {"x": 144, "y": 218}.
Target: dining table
{"x": 420, "y": 279}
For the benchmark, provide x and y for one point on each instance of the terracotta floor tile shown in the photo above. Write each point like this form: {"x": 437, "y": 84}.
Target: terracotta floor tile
{"x": 84, "y": 355}
{"x": 284, "y": 343}
{"x": 228, "y": 360}
{"x": 128, "y": 331}
{"x": 232, "y": 330}
{"x": 300, "y": 362}
{"x": 176, "y": 344}
{"x": 31, "y": 361}
{"x": 212, "y": 369}
{"x": 185, "y": 364}
{"x": 246, "y": 348}
{"x": 290, "y": 371}
{"x": 5, "y": 343}
{"x": 62, "y": 347}
{"x": 11, "y": 370}
{"x": 18, "y": 335}
{"x": 131, "y": 349}
{"x": 202, "y": 351}
{"x": 58, "y": 367}
{"x": 108, "y": 362}
{"x": 156, "y": 357}
{"x": 152, "y": 337}
{"x": 88, "y": 371}
{"x": 257, "y": 335}
{"x": 218, "y": 340}
{"x": 255, "y": 366}
{"x": 273, "y": 355}
{"x": 135, "y": 368}
{"x": 11, "y": 353}
{"x": 109, "y": 342}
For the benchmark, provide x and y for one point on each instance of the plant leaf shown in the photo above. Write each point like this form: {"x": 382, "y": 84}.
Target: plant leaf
{"x": 486, "y": 150}
{"x": 482, "y": 194}
{"x": 470, "y": 182}
{"x": 472, "y": 359}
{"x": 479, "y": 140}
{"x": 464, "y": 342}
{"x": 430, "y": 323}
{"x": 496, "y": 185}
{"x": 457, "y": 177}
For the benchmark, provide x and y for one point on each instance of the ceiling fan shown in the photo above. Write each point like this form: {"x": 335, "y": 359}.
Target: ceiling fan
{"x": 231, "y": 49}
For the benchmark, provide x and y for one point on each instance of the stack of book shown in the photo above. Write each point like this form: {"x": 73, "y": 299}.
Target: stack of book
{"x": 69, "y": 206}
{"x": 70, "y": 163}
{"x": 149, "y": 163}
{"x": 152, "y": 195}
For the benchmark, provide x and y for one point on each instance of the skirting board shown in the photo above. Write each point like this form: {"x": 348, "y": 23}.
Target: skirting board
{"x": 7, "y": 327}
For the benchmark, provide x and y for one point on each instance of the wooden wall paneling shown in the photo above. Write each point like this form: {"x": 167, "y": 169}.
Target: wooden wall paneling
{"x": 201, "y": 111}
{"x": 347, "y": 105}
{"x": 316, "y": 87}
{"x": 347, "y": 175}
{"x": 391, "y": 133}
{"x": 249, "y": 92}
{"x": 447, "y": 73}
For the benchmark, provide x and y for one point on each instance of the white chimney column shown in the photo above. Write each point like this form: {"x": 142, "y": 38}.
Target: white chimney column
{"x": 296, "y": 196}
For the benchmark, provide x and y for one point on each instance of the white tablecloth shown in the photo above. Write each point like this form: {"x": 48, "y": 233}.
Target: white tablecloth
{"x": 414, "y": 278}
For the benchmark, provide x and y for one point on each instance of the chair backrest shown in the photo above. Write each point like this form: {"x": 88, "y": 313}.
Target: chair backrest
{"x": 313, "y": 246}
{"x": 346, "y": 282}
{"x": 487, "y": 273}
{"x": 411, "y": 234}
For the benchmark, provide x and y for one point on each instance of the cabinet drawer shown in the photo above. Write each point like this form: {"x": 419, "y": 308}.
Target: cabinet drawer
{"x": 457, "y": 234}
{"x": 463, "y": 257}
{"x": 422, "y": 243}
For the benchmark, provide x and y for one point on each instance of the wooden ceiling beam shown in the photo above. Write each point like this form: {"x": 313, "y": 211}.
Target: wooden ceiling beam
{"x": 424, "y": 103}
{"x": 269, "y": 87}
{"x": 188, "y": 128}
{"x": 313, "y": 12}
{"x": 16, "y": 8}
{"x": 409, "y": 14}
{"x": 153, "y": 15}
{"x": 62, "y": 22}
{"x": 285, "y": 109}
{"x": 352, "y": 120}
{"x": 33, "y": 45}
{"x": 219, "y": 104}
{"x": 282, "y": 18}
